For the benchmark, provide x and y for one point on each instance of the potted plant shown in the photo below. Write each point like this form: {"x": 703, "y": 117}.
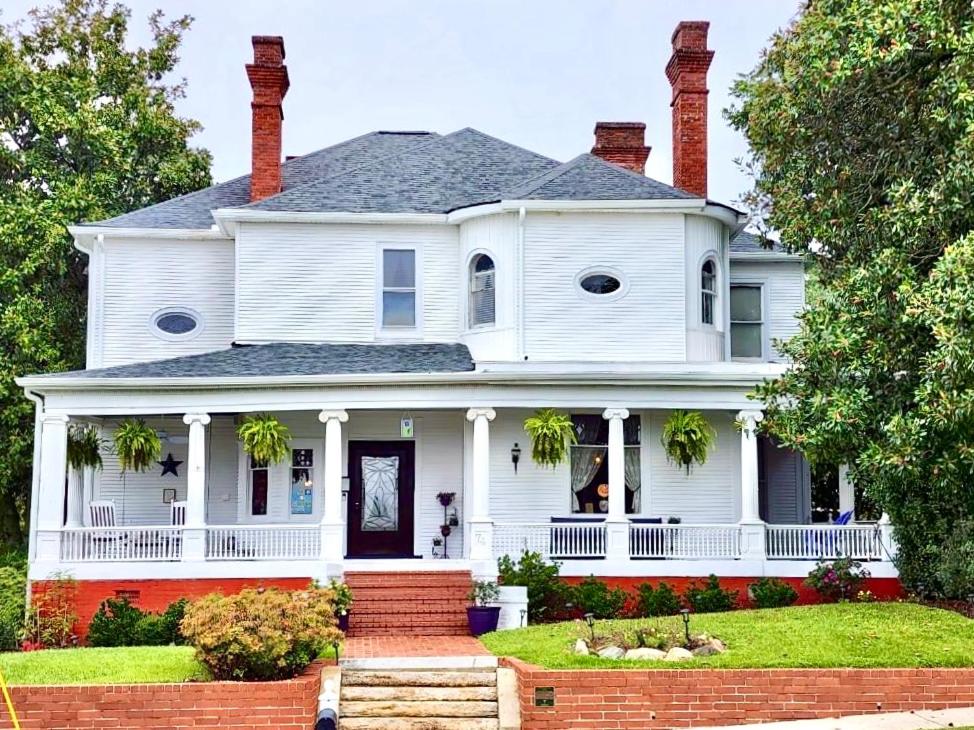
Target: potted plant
{"x": 552, "y": 433}
{"x": 264, "y": 438}
{"x": 481, "y": 616}
{"x": 84, "y": 447}
{"x": 343, "y": 603}
{"x": 446, "y": 498}
{"x": 137, "y": 446}
{"x": 687, "y": 437}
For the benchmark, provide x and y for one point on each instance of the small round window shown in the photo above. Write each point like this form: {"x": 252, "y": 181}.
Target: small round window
{"x": 600, "y": 284}
{"x": 176, "y": 324}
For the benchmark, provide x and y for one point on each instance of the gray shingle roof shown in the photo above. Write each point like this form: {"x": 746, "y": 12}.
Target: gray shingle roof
{"x": 745, "y": 242}
{"x": 288, "y": 358}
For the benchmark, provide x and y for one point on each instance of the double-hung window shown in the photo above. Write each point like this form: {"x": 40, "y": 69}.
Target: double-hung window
{"x": 398, "y": 298}
{"x": 747, "y": 321}
{"x": 481, "y": 291}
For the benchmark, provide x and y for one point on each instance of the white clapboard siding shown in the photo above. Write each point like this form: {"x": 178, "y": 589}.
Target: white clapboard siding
{"x": 704, "y": 237}
{"x": 785, "y": 296}
{"x": 647, "y": 324}
{"x": 318, "y": 283}
{"x": 141, "y": 276}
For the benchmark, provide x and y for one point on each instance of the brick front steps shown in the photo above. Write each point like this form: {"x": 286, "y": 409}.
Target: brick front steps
{"x": 412, "y": 604}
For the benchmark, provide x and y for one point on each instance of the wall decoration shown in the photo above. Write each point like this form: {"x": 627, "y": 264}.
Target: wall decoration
{"x": 169, "y": 465}
{"x": 168, "y": 496}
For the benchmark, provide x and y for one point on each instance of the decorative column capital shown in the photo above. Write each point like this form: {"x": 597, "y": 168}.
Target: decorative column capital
{"x": 335, "y": 415}
{"x": 201, "y": 418}
{"x": 54, "y": 419}
{"x": 474, "y": 413}
{"x": 609, "y": 413}
{"x": 749, "y": 420}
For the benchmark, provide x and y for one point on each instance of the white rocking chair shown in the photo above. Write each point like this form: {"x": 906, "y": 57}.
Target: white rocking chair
{"x": 177, "y": 513}
{"x": 102, "y": 514}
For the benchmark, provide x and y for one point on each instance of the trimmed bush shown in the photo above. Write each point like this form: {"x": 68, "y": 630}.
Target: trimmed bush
{"x": 595, "y": 597}
{"x": 772, "y": 593}
{"x": 118, "y": 623}
{"x": 261, "y": 634}
{"x": 709, "y": 597}
{"x": 547, "y": 594}
{"x": 838, "y": 580}
{"x": 659, "y": 601}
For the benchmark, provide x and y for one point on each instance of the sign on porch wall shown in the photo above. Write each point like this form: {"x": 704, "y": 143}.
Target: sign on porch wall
{"x": 406, "y": 427}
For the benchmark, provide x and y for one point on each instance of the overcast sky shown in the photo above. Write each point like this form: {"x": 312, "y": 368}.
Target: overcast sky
{"x": 538, "y": 73}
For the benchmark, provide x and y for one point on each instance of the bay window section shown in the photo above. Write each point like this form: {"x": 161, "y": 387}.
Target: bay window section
{"x": 590, "y": 467}
{"x": 747, "y": 322}
{"x": 398, "y": 288}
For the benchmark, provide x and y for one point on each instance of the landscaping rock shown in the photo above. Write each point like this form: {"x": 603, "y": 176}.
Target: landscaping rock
{"x": 705, "y": 650}
{"x": 581, "y": 648}
{"x": 677, "y": 654}
{"x": 645, "y": 653}
{"x": 612, "y": 652}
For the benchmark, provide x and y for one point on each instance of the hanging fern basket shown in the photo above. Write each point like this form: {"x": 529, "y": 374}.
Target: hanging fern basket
{"x": 552, "y": 435}
{"x": 265, "y": 438}
{"x": 687, "y": 438}
{"x": 84, "y": 447}
{"x": 137, "y": 446}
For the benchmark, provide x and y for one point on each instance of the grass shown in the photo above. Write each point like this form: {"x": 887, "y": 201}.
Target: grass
{"x": 125, "y": 665}
{"x": 838, "y": 635}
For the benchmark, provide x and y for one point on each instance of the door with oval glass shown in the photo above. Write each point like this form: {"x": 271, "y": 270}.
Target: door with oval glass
{"x": 381, "y": 482}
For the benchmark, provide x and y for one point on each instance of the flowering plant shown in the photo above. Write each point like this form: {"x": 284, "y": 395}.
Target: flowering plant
{"x": 837, "y": 580}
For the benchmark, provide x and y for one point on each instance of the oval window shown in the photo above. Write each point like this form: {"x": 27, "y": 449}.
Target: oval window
{"x": 600, "y": 284}
{"x": 176, "y": 323}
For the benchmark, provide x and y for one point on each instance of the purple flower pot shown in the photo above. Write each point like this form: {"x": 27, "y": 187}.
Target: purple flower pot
{"x": 343, "y": 619}
{"x": 483, "y": 619}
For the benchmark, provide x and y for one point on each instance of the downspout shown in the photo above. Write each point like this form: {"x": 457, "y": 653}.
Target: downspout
{"x": 521, "y": 215}
{"x": 34, "y": 480}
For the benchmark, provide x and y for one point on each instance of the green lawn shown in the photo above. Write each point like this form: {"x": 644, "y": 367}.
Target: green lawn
{"x": 135, "y": 664}
{"x": 839, "y": 635}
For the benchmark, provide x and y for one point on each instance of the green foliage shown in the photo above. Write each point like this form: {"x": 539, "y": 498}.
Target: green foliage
{"x": 547, "y": 594}
{"x": 343, "y": 596}
{"x": 137, "y": 445}
{"x": 118, "y": 623}
{"x": 261, "y": 634}
{"x": 552, "y": 434}
{"x": 772, "y": 593}
{"x": 52, "y": 615}
{"x": 687, "y": 437}
{"x": 13, "y": 605}
{"x": 859, "y": 120}
{"x": 265, "y": 438}
{"x": 84, "y": 446}
{"x": 595, "y": 597}
{"x": 955, "y": 569}
{"x": 659, "y": 601}
{"x": 483, "y": 593}
{"x": 709, "y": 597}
{"x": 837, "y": 580}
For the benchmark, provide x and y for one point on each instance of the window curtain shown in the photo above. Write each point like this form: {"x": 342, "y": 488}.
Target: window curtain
{"x": 585, "y": 462}
{"x": 634, "y": 477}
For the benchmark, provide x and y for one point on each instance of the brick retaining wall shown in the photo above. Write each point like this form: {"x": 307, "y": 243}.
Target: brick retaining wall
{"x": 677, "y": 698}
{"x": 289, "y": 705}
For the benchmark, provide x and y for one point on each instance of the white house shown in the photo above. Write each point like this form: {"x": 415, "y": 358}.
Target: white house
{"x": 403, "y": 301}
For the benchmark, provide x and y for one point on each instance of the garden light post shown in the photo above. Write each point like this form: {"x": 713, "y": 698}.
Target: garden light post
{"x": 590, "y": 620}
{"x": 685, "y": 612}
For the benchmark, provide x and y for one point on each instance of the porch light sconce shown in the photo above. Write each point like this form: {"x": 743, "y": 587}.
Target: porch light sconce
{"x": 515, "y": 456}
{"x": 685, "y": 612}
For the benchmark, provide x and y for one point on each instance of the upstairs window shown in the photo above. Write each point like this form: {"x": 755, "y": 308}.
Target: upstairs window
{"x": 176, "y": 323}
{"x": 708, "y": 291}
{"x": 747, "y": 322}
{"x": 398, "y": 288}
{"x": 481, "y": 291}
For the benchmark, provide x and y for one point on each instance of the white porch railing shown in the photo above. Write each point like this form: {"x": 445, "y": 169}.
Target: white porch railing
{"x": 685, "y": 542}
{"x": 569, "y": 541}
{"x": 114, "y": 544}
{"x": 263, "y": 542}
{"x": 814, "y": 542}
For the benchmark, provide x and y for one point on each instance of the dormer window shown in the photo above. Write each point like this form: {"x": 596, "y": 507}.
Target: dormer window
{"x": 481, "y": 291}
{"x": 708, "y": 291}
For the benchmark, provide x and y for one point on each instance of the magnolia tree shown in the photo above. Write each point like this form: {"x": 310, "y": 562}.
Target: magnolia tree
{"x": 860, "y": 120}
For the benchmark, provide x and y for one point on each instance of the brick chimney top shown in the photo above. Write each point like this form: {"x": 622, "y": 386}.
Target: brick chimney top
{"x": 622, "y": 143}
{"x": 687, "y": 73}
{"x": 269, "y": 81}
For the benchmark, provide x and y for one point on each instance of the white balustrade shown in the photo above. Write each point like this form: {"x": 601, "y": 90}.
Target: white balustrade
{"x": 559, "y": 541}
{"x": 116, "y": 544}
{"x": 814, "y": 542}
{"x": 685, "y": 542}
{"x": 263, "y": 542}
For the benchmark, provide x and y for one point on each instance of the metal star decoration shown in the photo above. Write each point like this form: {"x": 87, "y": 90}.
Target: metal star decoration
{"x": 169, "y": 465}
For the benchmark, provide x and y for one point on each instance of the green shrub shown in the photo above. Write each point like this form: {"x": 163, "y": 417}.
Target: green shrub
{"x": 547, "y": 594}
{"x": 261, "y": 634}
{"x": 115, "y": 623}
{"x": 51, "y": 618}
{"x": 772, "y": 593}
{"x": 837, "y": 580}
{"x": 595, "y": 597}
{"x": 13, "y": 605}
{"x": 172, "y": 617}
{"x": 709, "y": 597}
{"x": 955, "y": 563}
{"x": 661, "y": 601}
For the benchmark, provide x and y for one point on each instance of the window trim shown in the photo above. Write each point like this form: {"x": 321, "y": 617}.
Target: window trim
{"x": 765, "y": 348}
{"x": 597, "y": 269}
{"x": 169, "y": 336}
{"x": 470, "y": 274}
{"x": 710, "y": 256}
{"x": 249, "y": 477}
{"x": 398, "y": 332}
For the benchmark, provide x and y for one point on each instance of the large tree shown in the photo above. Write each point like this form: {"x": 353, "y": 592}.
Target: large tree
{"x": 88, "y": 130}
{"x": 860, "y": 118}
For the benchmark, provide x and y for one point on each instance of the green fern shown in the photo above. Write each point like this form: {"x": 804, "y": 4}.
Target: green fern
{"x": 84, "y": 447}
{"x": 137, "y": 445}
{"x": 265, "y": 438}
{"x": 552, "y": 434}
{"x": 687, "y": 437}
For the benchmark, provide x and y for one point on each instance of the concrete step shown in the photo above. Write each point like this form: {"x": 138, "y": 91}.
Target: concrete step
{"x": 407, "y": 678}
{"x": 417, "y": 694}
{"x": 419, "y": 723}
{"x": 410, "y": 708}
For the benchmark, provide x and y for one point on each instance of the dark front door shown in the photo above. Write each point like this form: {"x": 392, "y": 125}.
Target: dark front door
{"x": 380, "y": 498}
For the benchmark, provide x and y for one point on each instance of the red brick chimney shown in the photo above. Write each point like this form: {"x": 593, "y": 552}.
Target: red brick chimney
{"x": 622, "y": 143}
{"x": 268, "y": 79}
{"x": 687, "y": 72}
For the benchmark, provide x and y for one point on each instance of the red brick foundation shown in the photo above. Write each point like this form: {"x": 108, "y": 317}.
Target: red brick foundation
{"x": 667, "y": 698}
{"x": 156, "y": 595}
{"x": 290, "y": 705}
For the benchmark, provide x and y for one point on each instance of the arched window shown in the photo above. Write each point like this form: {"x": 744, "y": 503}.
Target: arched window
{"x": 708, "y": 291}
{"x": 481, "y": 290}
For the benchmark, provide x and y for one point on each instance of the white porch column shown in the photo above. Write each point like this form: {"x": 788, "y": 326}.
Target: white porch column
{"x": 481, "y": 525}
{"x": 194, "y": 531}
{"x": 847, "y": 491}
{"x": 332, "y": 524}
{"x": 752, "y": 526}
{"x": 75, "y": 497}
{"x": 50, "y": 493}
{"x": 617, "y": 524}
